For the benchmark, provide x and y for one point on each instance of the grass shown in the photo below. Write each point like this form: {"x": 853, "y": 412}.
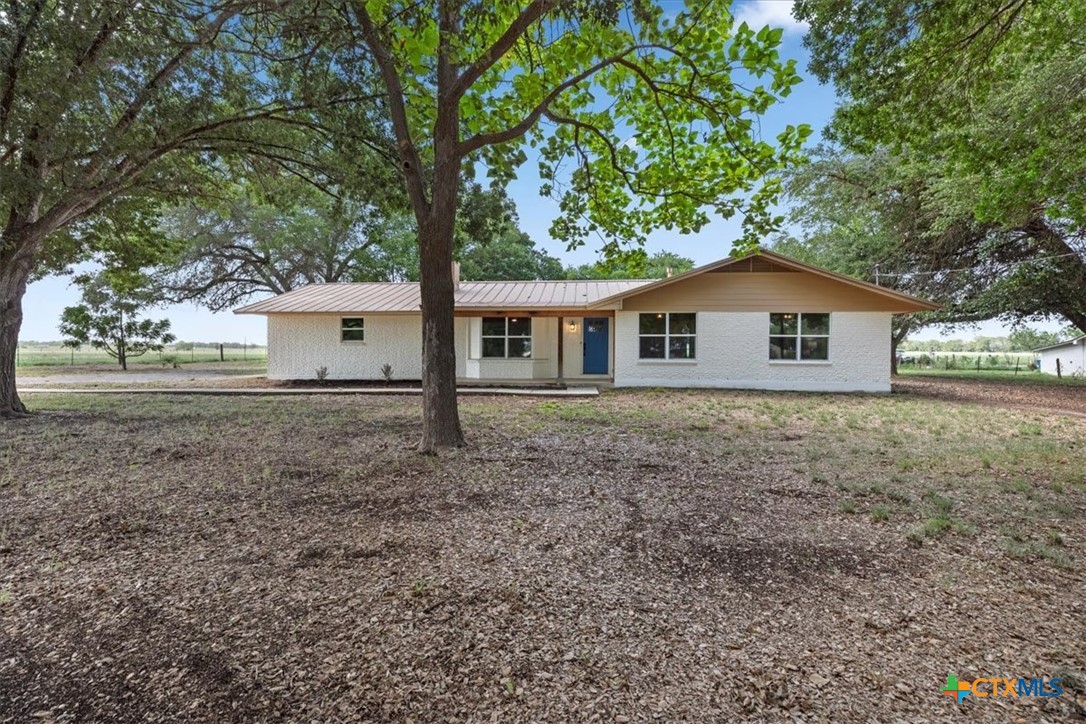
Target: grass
{"x": 278, "y": 557}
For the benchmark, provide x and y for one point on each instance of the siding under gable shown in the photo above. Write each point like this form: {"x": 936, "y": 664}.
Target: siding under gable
{"x": 778, "y": 291}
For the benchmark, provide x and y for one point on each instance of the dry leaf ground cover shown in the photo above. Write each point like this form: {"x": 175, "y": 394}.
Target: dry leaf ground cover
{"x": 696, "y": 556}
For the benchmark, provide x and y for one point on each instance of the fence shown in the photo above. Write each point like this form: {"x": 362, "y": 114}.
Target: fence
{"x": 46, "y": 355}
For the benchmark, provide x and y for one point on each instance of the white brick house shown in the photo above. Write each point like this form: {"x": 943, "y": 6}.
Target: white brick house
{"x": 762, "y": 321}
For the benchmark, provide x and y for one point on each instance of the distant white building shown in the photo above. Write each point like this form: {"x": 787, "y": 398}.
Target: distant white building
{"x": 1071, "y": 355}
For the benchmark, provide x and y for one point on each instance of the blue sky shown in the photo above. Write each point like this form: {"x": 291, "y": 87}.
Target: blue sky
{"x": 809, "y": 103}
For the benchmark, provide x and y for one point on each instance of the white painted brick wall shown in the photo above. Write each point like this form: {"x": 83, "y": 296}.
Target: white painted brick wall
{"x": 733, "y": 351}
{"x": 300, "y": 343}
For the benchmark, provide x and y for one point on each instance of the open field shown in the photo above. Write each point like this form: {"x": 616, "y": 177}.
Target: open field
{"x": 230, "y": 373}
{"x": 54, "y": 355}
{"x": 706, "y": 556}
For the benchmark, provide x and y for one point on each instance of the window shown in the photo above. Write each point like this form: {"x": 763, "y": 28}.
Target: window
{"x": 799, "y": 336}
{"x": 506, "y": 337}
{"x": 352, "y": 329}
{"x": 668, "y": 336}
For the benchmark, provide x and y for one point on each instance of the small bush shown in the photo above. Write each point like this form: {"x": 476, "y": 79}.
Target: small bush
{"x": 915, "y": 537}
{"x": 880, "y": 513}
{"x": 322, "y": 374}
{"x": 848, "y": 505}
{"x": 386, "y": 372}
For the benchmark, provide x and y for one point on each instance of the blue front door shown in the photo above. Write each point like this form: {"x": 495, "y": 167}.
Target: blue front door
{"x": 596, "y": 344}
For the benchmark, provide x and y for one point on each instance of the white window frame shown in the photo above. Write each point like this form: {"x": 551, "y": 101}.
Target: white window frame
{"x": 344, "y": 329}
{"x": 667, "y": 335}
{"x": 799, "y": 336}
{"x": 505, "y": 337}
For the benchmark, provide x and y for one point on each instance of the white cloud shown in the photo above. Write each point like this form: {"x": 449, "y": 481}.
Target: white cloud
{"x": 759, "y": 13}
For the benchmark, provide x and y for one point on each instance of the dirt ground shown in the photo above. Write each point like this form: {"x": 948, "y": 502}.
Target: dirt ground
{"x": 225, "y": 373}
{"x": 1018, "y": 395}
{"x": 653, "y": 555}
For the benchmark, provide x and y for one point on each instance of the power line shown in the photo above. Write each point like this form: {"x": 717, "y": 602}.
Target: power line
{"x": 879, "y": 273}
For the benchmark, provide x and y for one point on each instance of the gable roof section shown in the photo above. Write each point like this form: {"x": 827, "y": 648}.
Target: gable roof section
{"x": 405, "y": 298}
{"x": 1081, "y": 339}
{"x": 762, "y": 261}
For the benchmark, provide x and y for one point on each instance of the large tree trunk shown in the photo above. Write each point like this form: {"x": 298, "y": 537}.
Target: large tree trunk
{"x": 440, "y": 417}
{"x": 899, "y": 330}
{"x": 13, "y": 282}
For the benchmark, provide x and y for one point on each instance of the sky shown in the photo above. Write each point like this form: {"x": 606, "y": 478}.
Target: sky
{"x": 810, "y": 102}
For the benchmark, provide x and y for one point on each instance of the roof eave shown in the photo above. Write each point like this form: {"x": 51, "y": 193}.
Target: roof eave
{"x": 920, "y": 304}
{"x": 1066, "y": 343}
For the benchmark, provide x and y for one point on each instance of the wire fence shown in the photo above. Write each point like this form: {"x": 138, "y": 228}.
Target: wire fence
{"x": 51, "y": 355}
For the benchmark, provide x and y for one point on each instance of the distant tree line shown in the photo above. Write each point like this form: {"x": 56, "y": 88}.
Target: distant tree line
{"x": 1020, "y": 340}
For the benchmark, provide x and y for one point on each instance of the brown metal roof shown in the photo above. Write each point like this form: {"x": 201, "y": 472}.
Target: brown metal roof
{"x": 403, "y": 297}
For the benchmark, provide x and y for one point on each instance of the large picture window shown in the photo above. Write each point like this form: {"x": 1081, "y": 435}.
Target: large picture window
{"x": 668, "y": 336}
{"x": 352, "y": 329}
{"x": 802, "y": 337}
{"x": 507, "y": 337}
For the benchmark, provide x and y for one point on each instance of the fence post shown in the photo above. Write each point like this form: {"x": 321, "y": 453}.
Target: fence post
{"x": 978, "y": 363}
{"x": 1059, "y": 371}
{"x": 1016, "y": 363}
{"x": 222, "y": 355}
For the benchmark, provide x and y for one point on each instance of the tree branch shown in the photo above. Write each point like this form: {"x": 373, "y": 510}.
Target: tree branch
{"x": 409, "y": 157}
{"x": 536, "y": 10}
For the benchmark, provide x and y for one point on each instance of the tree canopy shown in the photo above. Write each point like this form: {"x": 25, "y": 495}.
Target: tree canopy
{"x": 107, "y": 108}
{"x": 978, "y": 104}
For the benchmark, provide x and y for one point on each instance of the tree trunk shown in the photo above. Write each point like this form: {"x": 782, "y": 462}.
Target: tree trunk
{"x": 440, "y": 416}
{"x": 899, "y": 330}
{"x": 13, "y": 281}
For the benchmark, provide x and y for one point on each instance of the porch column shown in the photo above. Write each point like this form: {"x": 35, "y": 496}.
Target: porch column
{"x": 561, "y": 350}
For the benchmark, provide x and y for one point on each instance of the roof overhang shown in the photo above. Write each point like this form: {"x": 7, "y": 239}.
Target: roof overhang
{"x": 1067, "y": 343}
{"x": 919, "y": 304}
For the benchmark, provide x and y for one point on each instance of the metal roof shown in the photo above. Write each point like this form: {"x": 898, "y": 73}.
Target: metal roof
{"x": 1066, "y": 343}
{"x": 404, "y": 297}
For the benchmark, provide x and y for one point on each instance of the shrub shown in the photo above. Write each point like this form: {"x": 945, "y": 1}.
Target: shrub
{"x": 880, "y": 513}
{"x": 322, "y": 374}
{"x": 386, "y": 372}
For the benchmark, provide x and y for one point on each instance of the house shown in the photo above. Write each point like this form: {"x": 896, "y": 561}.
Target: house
{"x": 1070, "y": 354}
{"x": 761, "y": 321}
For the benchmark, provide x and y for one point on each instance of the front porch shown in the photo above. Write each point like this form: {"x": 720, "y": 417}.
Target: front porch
{"x": 559, "y": 348}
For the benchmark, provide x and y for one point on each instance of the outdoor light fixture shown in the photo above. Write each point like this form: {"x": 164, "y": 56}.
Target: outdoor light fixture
{"x": 572, "y": 326}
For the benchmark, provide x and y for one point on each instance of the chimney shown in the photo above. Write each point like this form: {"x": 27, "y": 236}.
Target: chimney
{"x": 456, "y": 274}
{"x": 669, "y": 272}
